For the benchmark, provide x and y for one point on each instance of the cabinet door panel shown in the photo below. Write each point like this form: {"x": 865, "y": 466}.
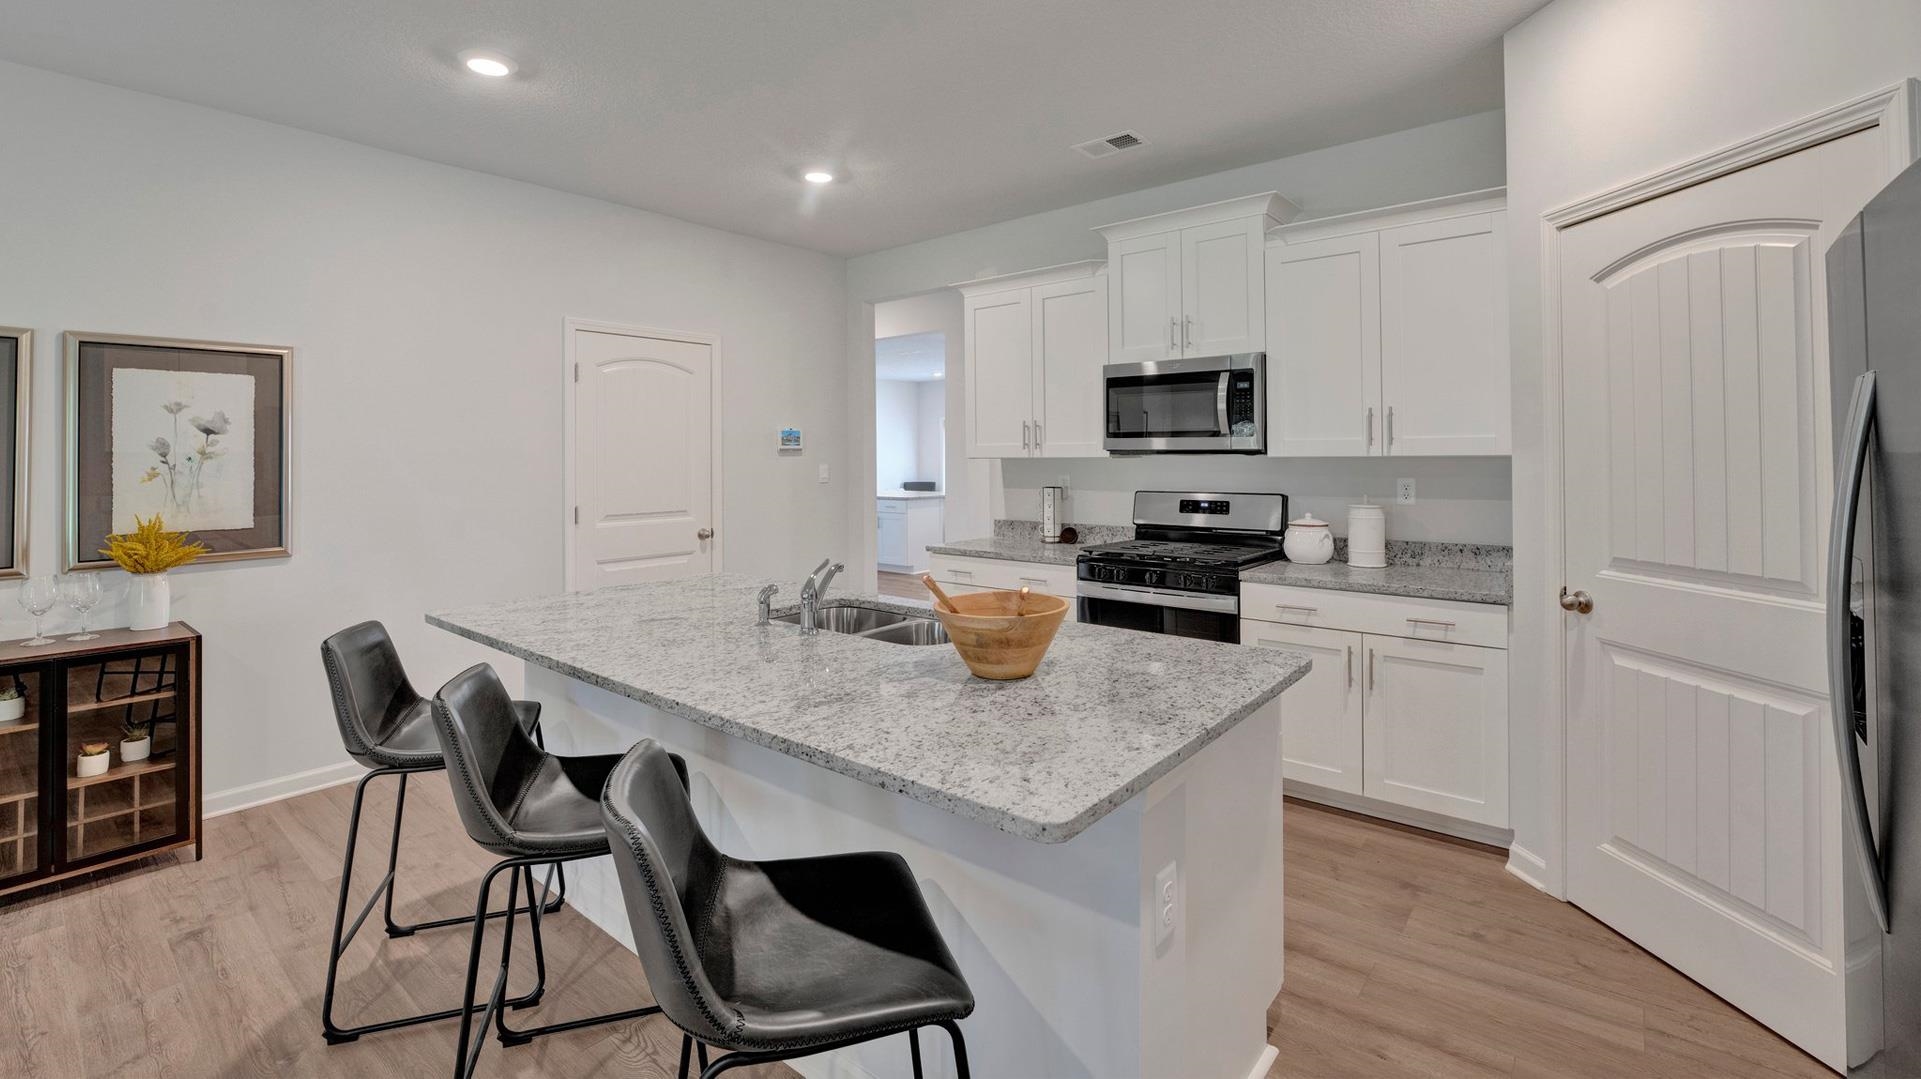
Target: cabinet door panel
{"x": 1444, "y": 358}
{"x": 891, "y": 541}
{"x": 1321, "y": 713}
{"x": 1144, "y": 298}
{"x": 1000, "y": 387}
{"x": 1436, "y": 727}
{"x": 1070, "y": 345}
{"x": 1222, "y": 270}
{"x": 1324, "y": 347}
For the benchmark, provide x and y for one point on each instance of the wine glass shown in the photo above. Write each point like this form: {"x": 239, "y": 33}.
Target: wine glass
{"x": 82, "y": 591}
{"x": 37, "y": 595}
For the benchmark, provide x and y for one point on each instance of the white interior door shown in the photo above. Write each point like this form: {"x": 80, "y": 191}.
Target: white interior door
{"x": 1143, "y": 321}
{"x": 1324, "y": 347}
{"x": 1444, "y": 353}
{"x": 1222, "y": 269}
{"x": 643, "y": 459}
{"x": 1703, "y": 810}
{"x": 1070, "y": 345}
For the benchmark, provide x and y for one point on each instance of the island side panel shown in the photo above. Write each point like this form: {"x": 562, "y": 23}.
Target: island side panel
{"x": 1208, "y": 984}
{"x": 1049, "y": 935}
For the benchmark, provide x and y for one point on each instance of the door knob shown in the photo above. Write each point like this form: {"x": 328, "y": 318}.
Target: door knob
{"x": 1578, "y": 602}
{"x": 705, "y": 533}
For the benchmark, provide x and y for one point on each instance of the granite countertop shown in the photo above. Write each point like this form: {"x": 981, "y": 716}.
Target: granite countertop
{"x": 1020, "y": 541}
{"x": 1109, "y": 711}
{"x": 1466, "y": 585}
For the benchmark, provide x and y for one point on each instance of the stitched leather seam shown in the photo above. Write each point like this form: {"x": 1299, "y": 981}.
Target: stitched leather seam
{"x": 459, "y": 764}
{"x": 349, "y": 731}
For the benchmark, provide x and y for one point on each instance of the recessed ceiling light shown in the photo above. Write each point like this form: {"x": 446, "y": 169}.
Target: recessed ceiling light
{"x": 491, "y": 64}
{"x": 818, "y": 176}
{"x": 936, "y": 374}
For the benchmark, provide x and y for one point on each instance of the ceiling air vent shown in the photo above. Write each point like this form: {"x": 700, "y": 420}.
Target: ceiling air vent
{"x": 1112, "y": 144}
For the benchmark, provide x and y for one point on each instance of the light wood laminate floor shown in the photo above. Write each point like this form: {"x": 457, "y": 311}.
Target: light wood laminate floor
{"x": 1407, "y": 956}
{"x": 904, "y": 585}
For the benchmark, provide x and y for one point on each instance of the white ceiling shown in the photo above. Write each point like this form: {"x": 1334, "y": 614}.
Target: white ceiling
{"x": 940, "y": 116}
{"x": 911, "y": 357}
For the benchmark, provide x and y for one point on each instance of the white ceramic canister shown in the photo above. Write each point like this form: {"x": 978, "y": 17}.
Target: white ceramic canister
{"x": 1366, "y": 536}
{"x": 1308, "y": 541}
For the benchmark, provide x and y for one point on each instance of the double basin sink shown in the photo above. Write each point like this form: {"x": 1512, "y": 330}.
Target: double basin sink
{"x": 872, "y": 623}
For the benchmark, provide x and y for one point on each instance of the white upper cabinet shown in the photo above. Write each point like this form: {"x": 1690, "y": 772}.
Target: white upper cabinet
{"x": 1387, "y": 332}
{"x": 1070, "y": 346}
{"x": 1035, "y": 345}
{"x": 1444, "y": 358}
{"x": 1190, "y": 283}
{"x": 1324, "y": 347}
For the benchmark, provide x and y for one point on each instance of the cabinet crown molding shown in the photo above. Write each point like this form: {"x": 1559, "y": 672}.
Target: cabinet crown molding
{"x": 1278, "y": 208}
{"x": 1483, "y": 201}
{"x": 1046, "y": 275}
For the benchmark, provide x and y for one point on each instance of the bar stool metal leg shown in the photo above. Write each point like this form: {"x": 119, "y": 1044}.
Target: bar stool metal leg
{"x": 343, "y": 934}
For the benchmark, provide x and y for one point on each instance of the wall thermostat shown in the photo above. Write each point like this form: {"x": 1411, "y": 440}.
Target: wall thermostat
{"x": 790, "y": 438}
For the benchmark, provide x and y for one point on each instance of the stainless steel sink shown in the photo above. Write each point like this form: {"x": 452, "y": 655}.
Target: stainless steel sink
{"x": 873, "y": 623}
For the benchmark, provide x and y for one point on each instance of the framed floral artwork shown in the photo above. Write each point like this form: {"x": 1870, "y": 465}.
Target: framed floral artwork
{"x": 196, "y": 432}
{"x": 16, "y": 366}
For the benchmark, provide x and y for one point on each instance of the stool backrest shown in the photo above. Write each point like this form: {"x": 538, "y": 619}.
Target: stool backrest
{"x": 371, "y": 692}
{"x": 667, "y": 867}
{"x": 489, "y": 756}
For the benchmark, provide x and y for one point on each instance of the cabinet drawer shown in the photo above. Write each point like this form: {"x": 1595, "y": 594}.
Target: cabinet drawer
{"x": 1361, "y": 612}
{"x": 891, "y": 507}
{"x": 1000, "y": 573}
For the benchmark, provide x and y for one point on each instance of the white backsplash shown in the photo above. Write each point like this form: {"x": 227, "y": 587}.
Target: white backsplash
{"x": 1457, "y": 499}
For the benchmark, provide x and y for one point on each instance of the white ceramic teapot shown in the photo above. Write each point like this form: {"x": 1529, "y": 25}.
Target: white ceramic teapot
{"x": 1308, "y": 541}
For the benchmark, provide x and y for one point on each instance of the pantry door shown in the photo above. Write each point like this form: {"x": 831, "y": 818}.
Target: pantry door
{"x": 1703, "y": 805}
{"x": 642, "y": 477}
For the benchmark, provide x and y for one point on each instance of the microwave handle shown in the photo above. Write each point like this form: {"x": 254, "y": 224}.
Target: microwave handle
{"x": 1220, "y": 402}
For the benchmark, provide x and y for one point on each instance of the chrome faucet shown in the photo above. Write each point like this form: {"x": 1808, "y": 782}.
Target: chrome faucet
{"x": 766, "y": 599}
{"x": 811, "y": 592}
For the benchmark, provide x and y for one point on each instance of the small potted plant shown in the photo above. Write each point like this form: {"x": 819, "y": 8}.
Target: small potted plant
{"x": 92, "y": 760}
{"x": 13, "y": 704}
{"x": 136, "y": 741}
{"x": 147, "y": 553}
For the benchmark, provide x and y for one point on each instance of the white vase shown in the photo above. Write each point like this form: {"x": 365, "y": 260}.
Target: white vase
{"x": 149, "y": 595}
{"x": 136, "y": 751}
{"x": 91, "y": 766}
{"x": 12, "y": 711}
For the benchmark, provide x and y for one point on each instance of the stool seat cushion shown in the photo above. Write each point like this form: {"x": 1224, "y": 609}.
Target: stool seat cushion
{"x": 411, "y": 741}
{"x": 558, "y": 811}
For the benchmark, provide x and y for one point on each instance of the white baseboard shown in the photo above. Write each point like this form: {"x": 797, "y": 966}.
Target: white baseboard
{"x": 236, "y": 799}
{"x": 1269, "y": 1055}
{"x": 1413, "y": 818}
{"x": 1527, "y": 866}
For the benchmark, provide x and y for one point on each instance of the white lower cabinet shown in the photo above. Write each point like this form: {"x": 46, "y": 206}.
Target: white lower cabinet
{"x": 1320, "y": 714}
{"x": 958, "y": 574}
{"x": 1383, "y": 722}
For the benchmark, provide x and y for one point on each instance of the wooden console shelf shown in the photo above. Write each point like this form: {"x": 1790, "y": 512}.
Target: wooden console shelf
{"x": 55, "y": 823}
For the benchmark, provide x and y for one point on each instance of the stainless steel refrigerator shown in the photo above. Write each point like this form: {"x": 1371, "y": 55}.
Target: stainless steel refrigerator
{"x": 1874, "y": 620}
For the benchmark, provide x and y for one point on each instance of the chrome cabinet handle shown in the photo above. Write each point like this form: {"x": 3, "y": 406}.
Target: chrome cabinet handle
{"x": 1187, "y": 335}
{"x": 1847, "y": 502}
{"x": 1390, "y": 425}
{"x": 1370, "y": 427}
{"x": 1037, "y": 434}
{"x": 1285, "y": 607}
{"x": 1173, "y": 334}
{"x": 1431, "y": 622}
{"x": 968, "y": 573}
{"x": 1578, "y": 602}
{"x": 1033, "y": 580}
{"x": 704, "y": 534}
{"x": 1024, "y": 434}
{"x": 1350, "y": 666}
{"x": 1370, "y": 670}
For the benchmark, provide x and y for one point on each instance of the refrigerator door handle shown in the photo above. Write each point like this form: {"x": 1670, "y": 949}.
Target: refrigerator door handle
{"x": 1847, "y": 498}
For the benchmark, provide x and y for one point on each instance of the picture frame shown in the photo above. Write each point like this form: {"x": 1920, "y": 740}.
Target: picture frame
{"x": 16, "y": 378}
{"x": 200, "y": 432}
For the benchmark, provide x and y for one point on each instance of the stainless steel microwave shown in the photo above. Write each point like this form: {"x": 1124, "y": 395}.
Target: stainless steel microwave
{"x": 1209, "y": 404}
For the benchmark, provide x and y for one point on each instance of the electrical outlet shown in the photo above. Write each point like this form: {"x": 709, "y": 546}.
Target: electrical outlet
{"x": 824, "y": 474}
{"x": 1404, "y": 492}
{"x": 1167, "y": 906}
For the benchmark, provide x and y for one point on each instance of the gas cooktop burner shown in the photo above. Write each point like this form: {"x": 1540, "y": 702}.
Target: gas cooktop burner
{"x": 1185, "y": 553}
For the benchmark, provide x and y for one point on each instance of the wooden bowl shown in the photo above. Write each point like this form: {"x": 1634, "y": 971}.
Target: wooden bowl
{"x": 996, "y": 642}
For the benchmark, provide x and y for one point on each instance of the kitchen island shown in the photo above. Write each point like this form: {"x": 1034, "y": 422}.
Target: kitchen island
{"x": 1100, "y": 843}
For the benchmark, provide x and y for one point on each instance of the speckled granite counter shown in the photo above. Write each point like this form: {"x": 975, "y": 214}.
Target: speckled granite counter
{"x": 1467, "y": 585}
{"x": 1019, "y": 541}
{"x": 1108, "y": 712}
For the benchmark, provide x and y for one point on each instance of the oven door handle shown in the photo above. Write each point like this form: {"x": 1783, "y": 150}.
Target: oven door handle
{"x": 1187, "y": 601}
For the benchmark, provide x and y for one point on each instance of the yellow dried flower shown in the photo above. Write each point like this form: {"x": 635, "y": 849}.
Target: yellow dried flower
{"x": 150, "y": 548}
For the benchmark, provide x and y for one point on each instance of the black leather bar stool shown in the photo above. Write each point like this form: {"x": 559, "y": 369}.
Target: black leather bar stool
{"x": 387, "y": 727}
{"x": 527, "y": 805}
{"x": 780, "y": 959}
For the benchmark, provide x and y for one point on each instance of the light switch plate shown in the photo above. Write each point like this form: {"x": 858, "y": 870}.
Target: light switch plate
{"x": 1404, "y": 492}
{"x": 824, "y": 474}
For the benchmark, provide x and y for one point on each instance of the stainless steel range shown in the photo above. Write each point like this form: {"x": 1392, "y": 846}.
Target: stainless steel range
{"x": 1181, "y": 573}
